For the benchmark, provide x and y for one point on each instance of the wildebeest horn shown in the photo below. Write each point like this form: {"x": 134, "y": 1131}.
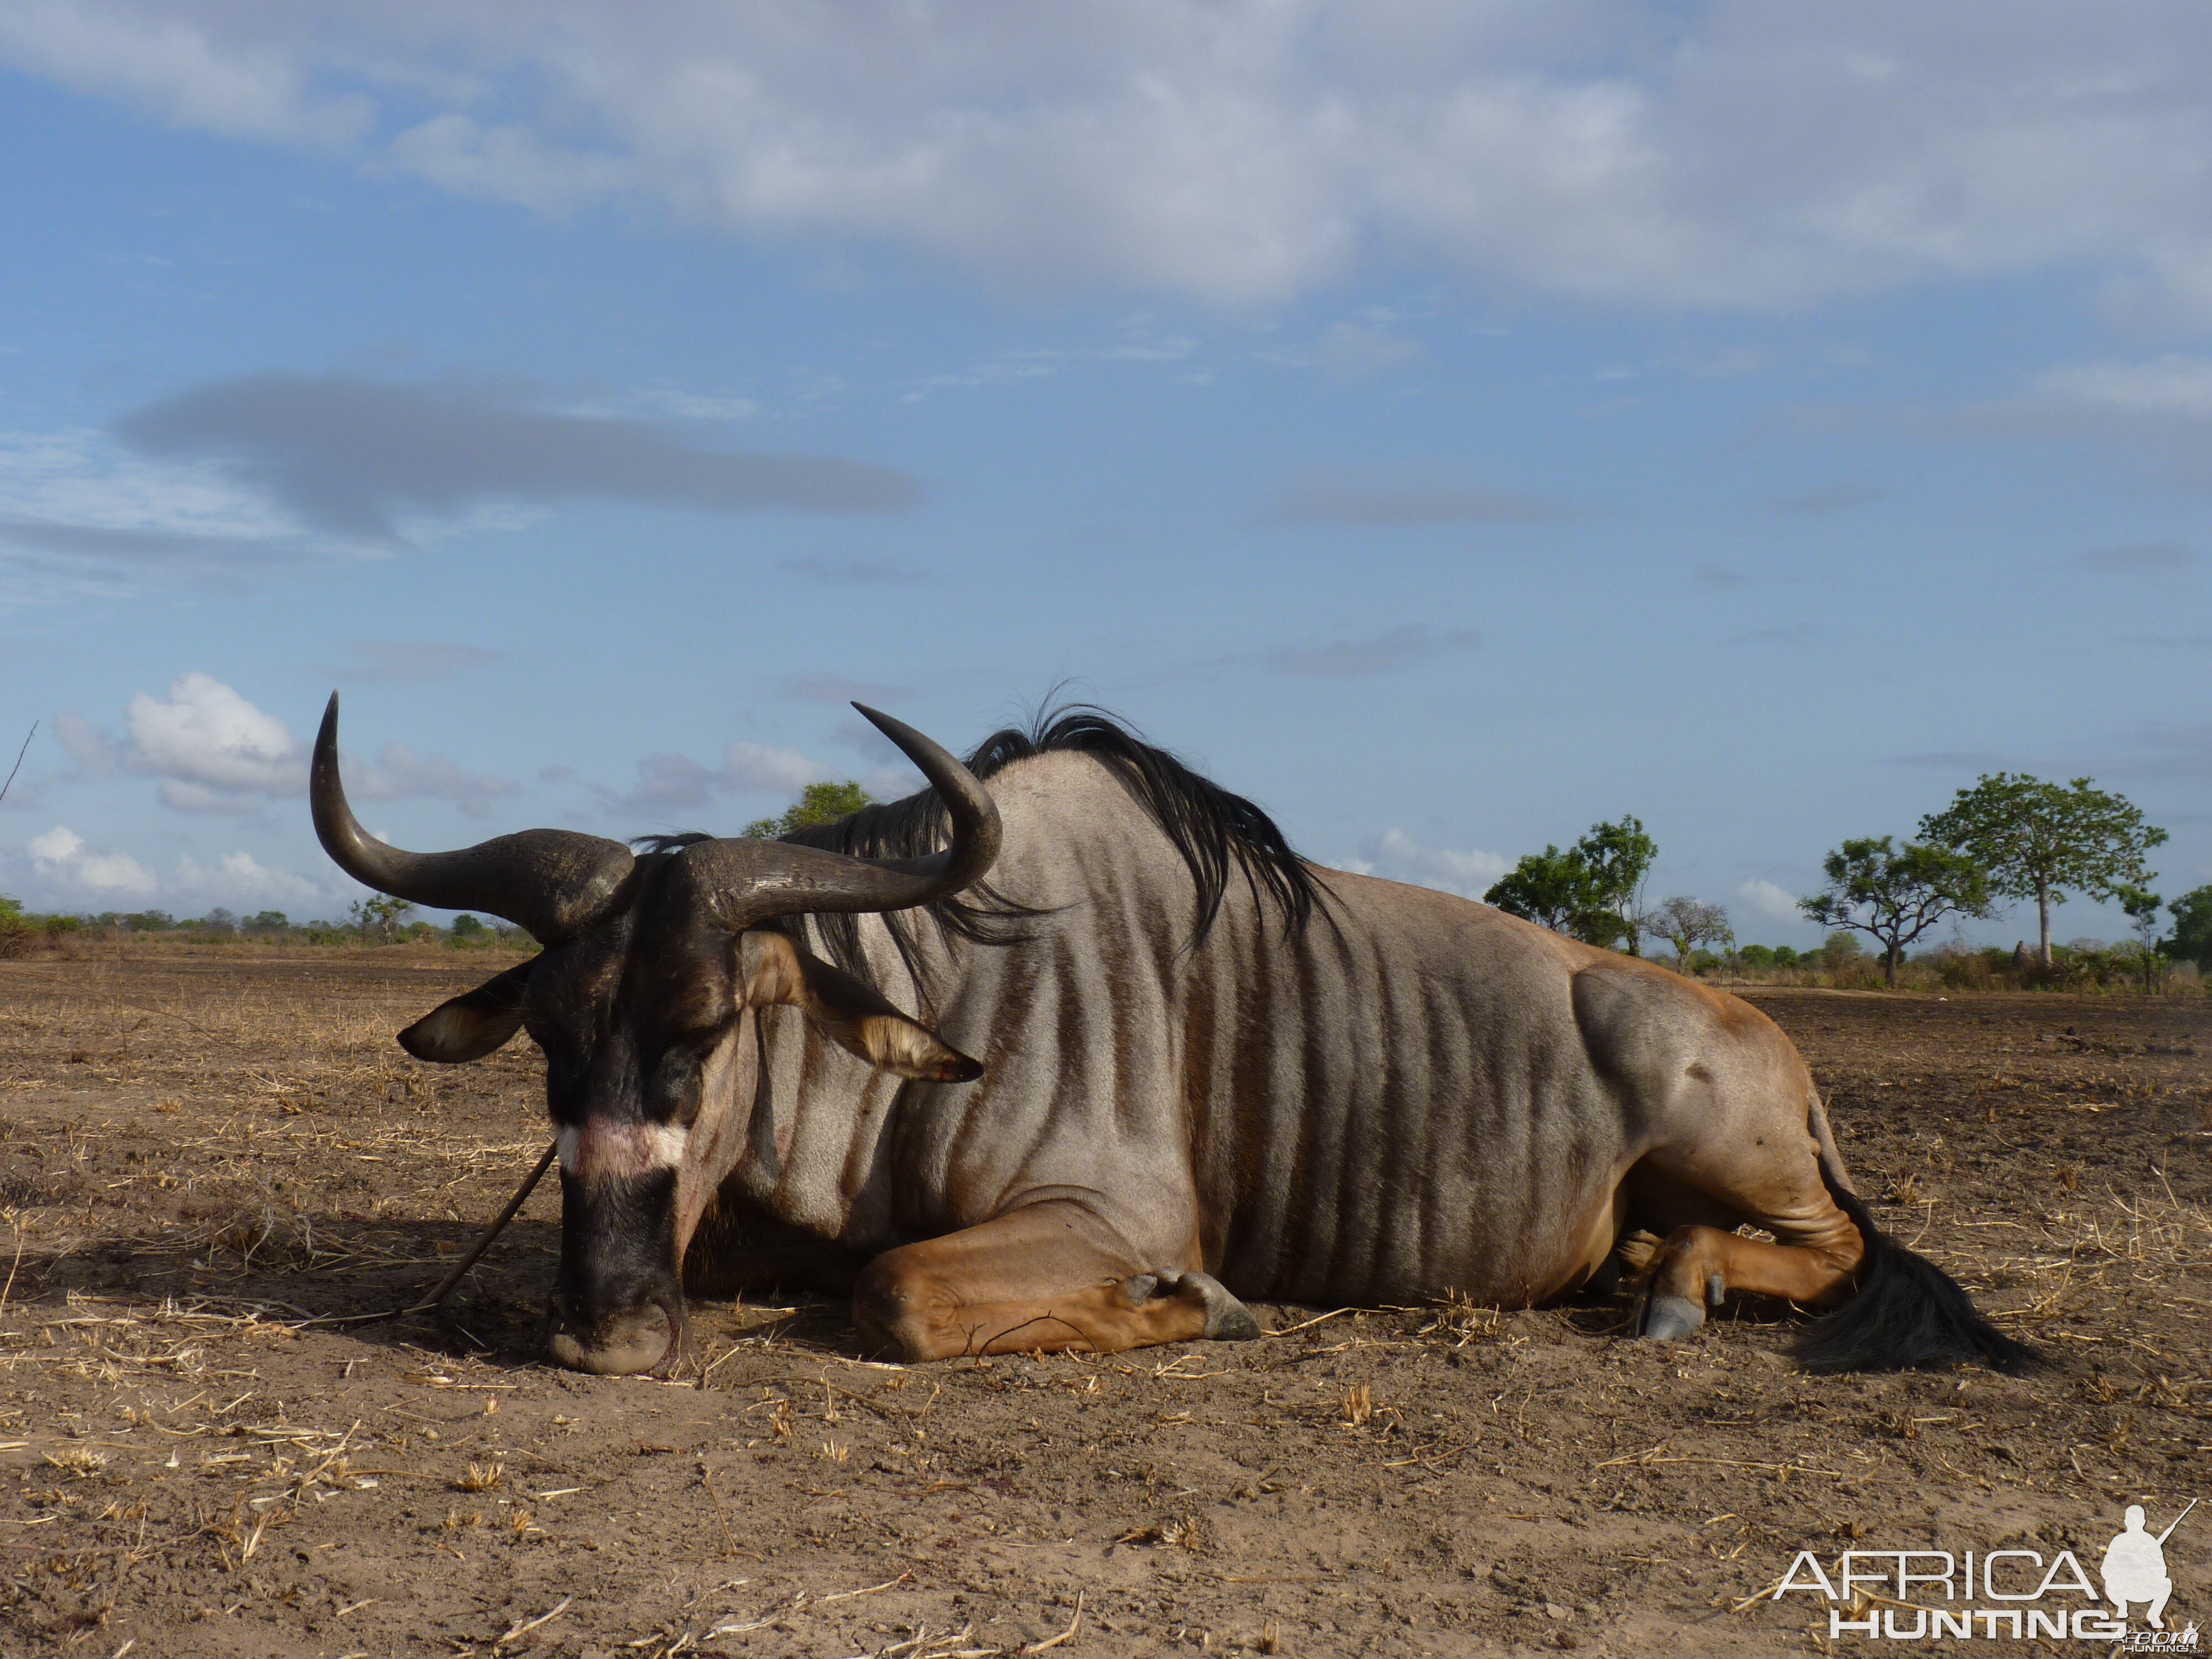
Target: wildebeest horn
{"x": 552, "y": 881}
{"x": 744, "y": 882}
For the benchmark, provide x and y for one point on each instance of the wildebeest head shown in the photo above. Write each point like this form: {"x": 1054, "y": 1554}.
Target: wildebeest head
{"x": 650, "y": 962}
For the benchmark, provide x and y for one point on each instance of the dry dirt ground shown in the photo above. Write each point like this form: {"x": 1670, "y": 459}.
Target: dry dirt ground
{"x": 204, "y": 1150}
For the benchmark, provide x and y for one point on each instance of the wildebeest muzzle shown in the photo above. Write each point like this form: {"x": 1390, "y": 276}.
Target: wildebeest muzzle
{"x": 618, "y": 1305}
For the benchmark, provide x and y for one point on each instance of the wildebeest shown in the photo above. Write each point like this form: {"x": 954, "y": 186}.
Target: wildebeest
{"x": 1157, "y": 1063}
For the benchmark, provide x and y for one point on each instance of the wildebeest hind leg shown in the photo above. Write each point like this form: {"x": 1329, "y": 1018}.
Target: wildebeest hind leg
{"x": 1049, "y": 1275}
{"x": 1810, "y": 1261}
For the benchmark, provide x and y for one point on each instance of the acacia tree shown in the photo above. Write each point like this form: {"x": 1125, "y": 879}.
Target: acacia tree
{"x": 2038, "y": 839}
{"x": 380, "y": 914}
{"x": 819, "y": 803}
{"x": 1687, "y": 923}
{"x": 1896, "y": 894}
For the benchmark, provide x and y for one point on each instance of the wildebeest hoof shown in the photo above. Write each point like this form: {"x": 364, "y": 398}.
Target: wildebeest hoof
{"x": 1227, "y": 1320}
{"x": 1667, "y": 1317}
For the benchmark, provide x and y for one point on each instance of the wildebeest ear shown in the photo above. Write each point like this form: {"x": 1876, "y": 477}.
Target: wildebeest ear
{"x": 471, "y": 1025}
{"x": 852, "y": 1015}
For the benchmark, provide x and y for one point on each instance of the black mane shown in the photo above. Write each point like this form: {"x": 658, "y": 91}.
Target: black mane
{"x": 1218, "y": 835}
{"x": 652, "y": 845}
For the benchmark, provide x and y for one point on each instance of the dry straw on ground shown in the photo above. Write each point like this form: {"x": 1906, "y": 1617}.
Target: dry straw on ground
{"x": 207, "y": 1152}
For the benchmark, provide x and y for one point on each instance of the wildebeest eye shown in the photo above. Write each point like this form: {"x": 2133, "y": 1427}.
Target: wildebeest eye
{"x": 673, "y": 1089}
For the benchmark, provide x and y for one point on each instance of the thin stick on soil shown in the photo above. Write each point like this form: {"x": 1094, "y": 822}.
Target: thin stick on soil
{"x": 1067, "y": 1635}
{"x": 171, "y": 1013}
{"x": 460, "y": 1268}
{"x": 706, "y": 1480}
{"x": 498, "y": 1226}
{"x": 522, "y": 1627}
{"x": 846, "y": 1595}
{"x": 1307, "y": 1325}
{"x": 12, "y": 1266}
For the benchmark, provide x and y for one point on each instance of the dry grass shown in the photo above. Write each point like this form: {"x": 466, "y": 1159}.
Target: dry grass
{"x": 480, "y": 1477}
{"x": 1447, "y": 1475}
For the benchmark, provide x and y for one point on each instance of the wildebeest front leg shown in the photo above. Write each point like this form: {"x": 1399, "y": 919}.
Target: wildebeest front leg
{"x": 1698, "y": 1266}
{"x": 1051, "y": 1275}
{"x": 1811, "y": 1260}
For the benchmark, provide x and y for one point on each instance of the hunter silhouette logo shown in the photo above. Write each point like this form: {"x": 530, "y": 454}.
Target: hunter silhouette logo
{"x": 1927, "y": 1595}
{"x": 2134, "y": 1568}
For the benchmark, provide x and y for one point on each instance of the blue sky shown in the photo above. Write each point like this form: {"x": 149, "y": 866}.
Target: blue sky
{"x": 1449, "y": 425}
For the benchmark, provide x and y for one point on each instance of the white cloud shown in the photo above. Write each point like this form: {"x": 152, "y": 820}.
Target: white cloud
{"x": 83, "y": 477}
{"x": 1774, "y": 902}
{"x": 184, "y": 69}
{"x": 2170, "y": 385}
{"x": 755, "y": 766}
{"x": 241, "y": 878}
{"x": 1732, "y": 154}
{"x": 358, "y": 461}
{"x": 673, "y": 783}
{"x": 695, "y": 405}
{"x": 397, "y": 773}
{"x": 90, "y": 752}
{"x": 1351, "y": 349}
{"x": 237, "y": 477}
{"x": 507, "y": 164}
{"x": 1396, "y": 856}
{"x": 215, "y": 752}
{"x": 180, "y": 795}
{"x": 61, "y": 855}
{"x": 80, "y": 515}
{"x": 207, "y": 743}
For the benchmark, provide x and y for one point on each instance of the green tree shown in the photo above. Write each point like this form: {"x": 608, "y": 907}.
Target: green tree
{"x": 819, "y": 803}
{"x": 1896, "y": 894}
{"x": 1592, "y": 891}
{"x": 17, "y": 933}
{"x": 379, "y": 915}
{"x": 2142, "y": 907}
{"x": 2191, "y": 940}
{"x": 2038, "y": 839}
{"x": 1688, "y": 923}
{"x": 1619, "y": 858}
{"x": 1550, "y": 888}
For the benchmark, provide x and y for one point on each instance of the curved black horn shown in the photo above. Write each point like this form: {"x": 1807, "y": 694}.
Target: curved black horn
{"x": 745, "y": 882}
{"x": 552, "y": 881}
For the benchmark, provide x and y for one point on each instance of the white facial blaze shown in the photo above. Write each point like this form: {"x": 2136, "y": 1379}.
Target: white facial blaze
{"x": 617, "y": 1151}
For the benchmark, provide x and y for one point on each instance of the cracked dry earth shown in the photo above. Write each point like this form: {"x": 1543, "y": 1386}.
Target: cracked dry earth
{"x": 206, "y": 1149}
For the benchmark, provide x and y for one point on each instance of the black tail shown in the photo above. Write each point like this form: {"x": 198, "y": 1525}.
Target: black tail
{"x": 1907, "y": 1315}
